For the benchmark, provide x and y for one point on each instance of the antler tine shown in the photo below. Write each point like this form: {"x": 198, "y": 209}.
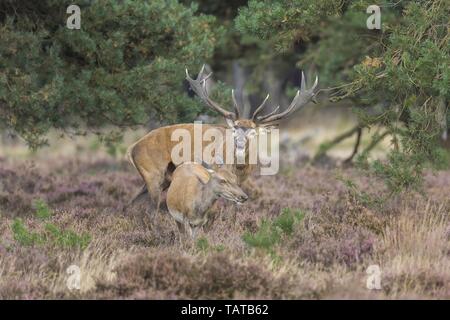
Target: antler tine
{"x": 302, "y": 97}
{"x": 236, "y": 106}
{"x": 206, "y": 78}
{"x": 199, "y": 87}
{"x": 261, "y": 118}
{"x": 261, "y": 106}
{"x": 303, "y": 82}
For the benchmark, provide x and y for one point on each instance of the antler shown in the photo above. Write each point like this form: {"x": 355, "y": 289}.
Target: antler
{"x": 199, "y": 87}
{"x": 236, "y": 106}
{"x": 302, "y": 97}
{"x": 261, "y": 106}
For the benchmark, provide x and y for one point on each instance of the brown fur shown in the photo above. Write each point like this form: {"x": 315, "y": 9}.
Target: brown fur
{"x": 151, "y": 156}
{"x": 245, "y": 123}
{"x": 194, "y": 190}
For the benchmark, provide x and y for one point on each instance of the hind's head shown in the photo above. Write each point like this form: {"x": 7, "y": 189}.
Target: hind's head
{"x": 224, "y": 183}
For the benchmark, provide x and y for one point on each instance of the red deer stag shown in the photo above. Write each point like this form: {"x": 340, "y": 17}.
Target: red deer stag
{"x": 151, "y": 155}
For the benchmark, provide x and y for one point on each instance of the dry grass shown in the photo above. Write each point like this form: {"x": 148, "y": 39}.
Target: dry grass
{"x": 138, "y": 255}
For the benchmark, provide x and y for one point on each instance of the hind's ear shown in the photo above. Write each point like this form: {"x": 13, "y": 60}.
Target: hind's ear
{"x": 205, "y": 165}
{"x": 203, "y": 175}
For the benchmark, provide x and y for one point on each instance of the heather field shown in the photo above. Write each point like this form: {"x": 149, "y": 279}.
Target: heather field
{"x": 350, "y": 98}
{"x": 306, "y": 233}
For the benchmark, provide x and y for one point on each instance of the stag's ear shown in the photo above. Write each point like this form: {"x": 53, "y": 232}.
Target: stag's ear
{"x": 230, "y": 122}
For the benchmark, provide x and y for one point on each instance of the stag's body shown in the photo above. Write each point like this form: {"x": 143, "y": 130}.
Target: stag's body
{"x": 151, "y": 156}
{"x": 193, "y": 191}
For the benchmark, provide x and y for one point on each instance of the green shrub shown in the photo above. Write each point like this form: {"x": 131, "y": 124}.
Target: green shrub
{"x": 219, "y": 248}
{"x": 265, "y": 238}
{"x": 50, "y": 235}
{"x": 202, "y": 244}
{"x": 124, "y": 67}
{"x": 43, "y": 212}
{"x": 287, "y": 220}
{"x": 67, "y": 238}
{"x": 398, "y": 81}
{"x": 23, "y": 235}
{"x": 271, "y": 232}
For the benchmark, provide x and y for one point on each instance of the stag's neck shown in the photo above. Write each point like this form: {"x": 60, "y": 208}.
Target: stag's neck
{"x": 243, "y": 171}
{"x": 246, "y": 160}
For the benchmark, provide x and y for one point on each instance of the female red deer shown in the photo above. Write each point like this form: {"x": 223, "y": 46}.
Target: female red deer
{"x": 193, "y": 191}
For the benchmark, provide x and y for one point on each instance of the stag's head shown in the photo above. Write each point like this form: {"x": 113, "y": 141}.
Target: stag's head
{"x": 245, "y": 129}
